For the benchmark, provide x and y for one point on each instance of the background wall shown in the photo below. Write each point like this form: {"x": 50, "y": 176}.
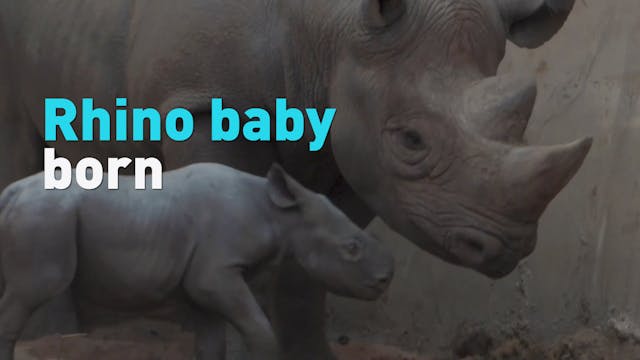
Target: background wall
{"x": 586, "y": 269}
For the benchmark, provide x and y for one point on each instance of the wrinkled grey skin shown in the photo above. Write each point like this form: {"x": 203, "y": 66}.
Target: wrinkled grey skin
{"x": 209, "y": 228}
{"x": 425, "y": 135}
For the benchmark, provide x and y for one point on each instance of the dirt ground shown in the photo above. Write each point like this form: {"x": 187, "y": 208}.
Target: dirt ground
{"x": 586, "y": 344}
{"x": 147, "y": 340}
{"x": 156, "y": 341}
{"x": 83, "y": 348}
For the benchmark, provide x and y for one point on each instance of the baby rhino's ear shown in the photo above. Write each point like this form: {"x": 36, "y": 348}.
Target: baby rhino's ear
{"x": 283, "y": 190}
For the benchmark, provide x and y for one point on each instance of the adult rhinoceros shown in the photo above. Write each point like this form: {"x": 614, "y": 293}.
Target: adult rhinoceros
{"x": 425, "y": 135}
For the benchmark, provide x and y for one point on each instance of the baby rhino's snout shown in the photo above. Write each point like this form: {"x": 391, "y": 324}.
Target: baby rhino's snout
{"x": 384, "y": 278}
{"x": 381, "y": 266}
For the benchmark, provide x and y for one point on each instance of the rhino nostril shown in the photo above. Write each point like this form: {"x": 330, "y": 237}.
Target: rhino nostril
{"x": 474, "y": 245}
{"x": 477, "y": 250}
{"x": 384, "y": 279}
{"x": 473, "y": 248}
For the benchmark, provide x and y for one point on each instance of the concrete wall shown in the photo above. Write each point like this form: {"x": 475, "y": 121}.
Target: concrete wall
{"x": 586, "y": 268}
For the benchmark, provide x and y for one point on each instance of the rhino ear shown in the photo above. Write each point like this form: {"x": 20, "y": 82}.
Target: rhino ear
{"x": 283, "y": 190}
{"x": 530, "y": 23}
{"x": 383, "y": 13}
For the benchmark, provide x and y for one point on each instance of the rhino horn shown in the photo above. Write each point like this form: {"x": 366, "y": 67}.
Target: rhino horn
{"x": 539, "y": 173}
{"x": 499, "y": 108}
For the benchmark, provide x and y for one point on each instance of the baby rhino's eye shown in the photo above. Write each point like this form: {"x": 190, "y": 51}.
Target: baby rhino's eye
{"x": 352, "y": 249}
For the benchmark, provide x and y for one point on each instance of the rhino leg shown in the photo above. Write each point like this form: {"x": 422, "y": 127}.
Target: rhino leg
{"x": 39, "y": 258}
{"x": 6, "y": 349}
{"x": 300, "y": 303}
{"x": 299, "y": 316}
{"x": 224, "y": 292}
{"x": 14, "y": 314}
{"x": 27, "y": 289}
{"x": 15, "y": 311}
{"x": 210, "y": 342}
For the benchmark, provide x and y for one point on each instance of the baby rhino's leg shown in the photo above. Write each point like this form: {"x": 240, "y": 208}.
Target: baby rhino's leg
{"x": 224, "y": 292}
{"x": 38, "y": 262}
{"x": 14, "y": 313}
{"x": 34, "y": 285}
{"x": 211, "y": 337}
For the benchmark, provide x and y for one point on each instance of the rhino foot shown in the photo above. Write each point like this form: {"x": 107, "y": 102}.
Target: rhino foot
{"x": 6, "y": 349}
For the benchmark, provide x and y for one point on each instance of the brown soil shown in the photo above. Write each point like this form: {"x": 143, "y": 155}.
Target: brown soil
{"x": 151, "y": 341}
{"x": 159, "y": 341}
{"x": 586, "y": 344}
{"x": 87, "y": 347}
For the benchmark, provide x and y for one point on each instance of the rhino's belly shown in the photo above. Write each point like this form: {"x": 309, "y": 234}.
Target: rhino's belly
{"x": 130, "y": 254}
{"x": 128, "y": 280}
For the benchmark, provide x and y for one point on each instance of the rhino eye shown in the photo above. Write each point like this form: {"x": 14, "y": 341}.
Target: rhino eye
{"x": 412, "y": 140}
{"x": 409, "y": 145}
{"x": 408, "y": 149}
{"x": 352, "y": 250}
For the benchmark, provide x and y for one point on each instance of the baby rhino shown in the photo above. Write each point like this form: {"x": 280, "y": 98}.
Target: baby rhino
{"x": 199, "y": 238}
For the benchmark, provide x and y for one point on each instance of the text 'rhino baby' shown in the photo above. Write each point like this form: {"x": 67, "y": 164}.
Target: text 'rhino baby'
{"x": 199, "y": 238}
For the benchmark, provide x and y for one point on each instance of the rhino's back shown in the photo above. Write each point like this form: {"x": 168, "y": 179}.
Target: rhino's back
{"x": 162, "y": 53}
{"x": 62, "y": 48}
{"x": 32, "y": 217}
{"x": 71, "y": 49}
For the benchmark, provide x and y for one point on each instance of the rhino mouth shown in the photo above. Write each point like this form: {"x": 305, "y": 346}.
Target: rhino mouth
{"x": 494, "y": 253}
{"x": 367, "y": 292}
{"x": 481, "y": 251}
{"x": 380, "y": 286}
{"x": 498, "y": 272}
{"x": 373, "y": 292}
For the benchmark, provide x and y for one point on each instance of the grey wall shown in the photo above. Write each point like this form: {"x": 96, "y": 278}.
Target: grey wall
{"x": 587, "y": 264}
